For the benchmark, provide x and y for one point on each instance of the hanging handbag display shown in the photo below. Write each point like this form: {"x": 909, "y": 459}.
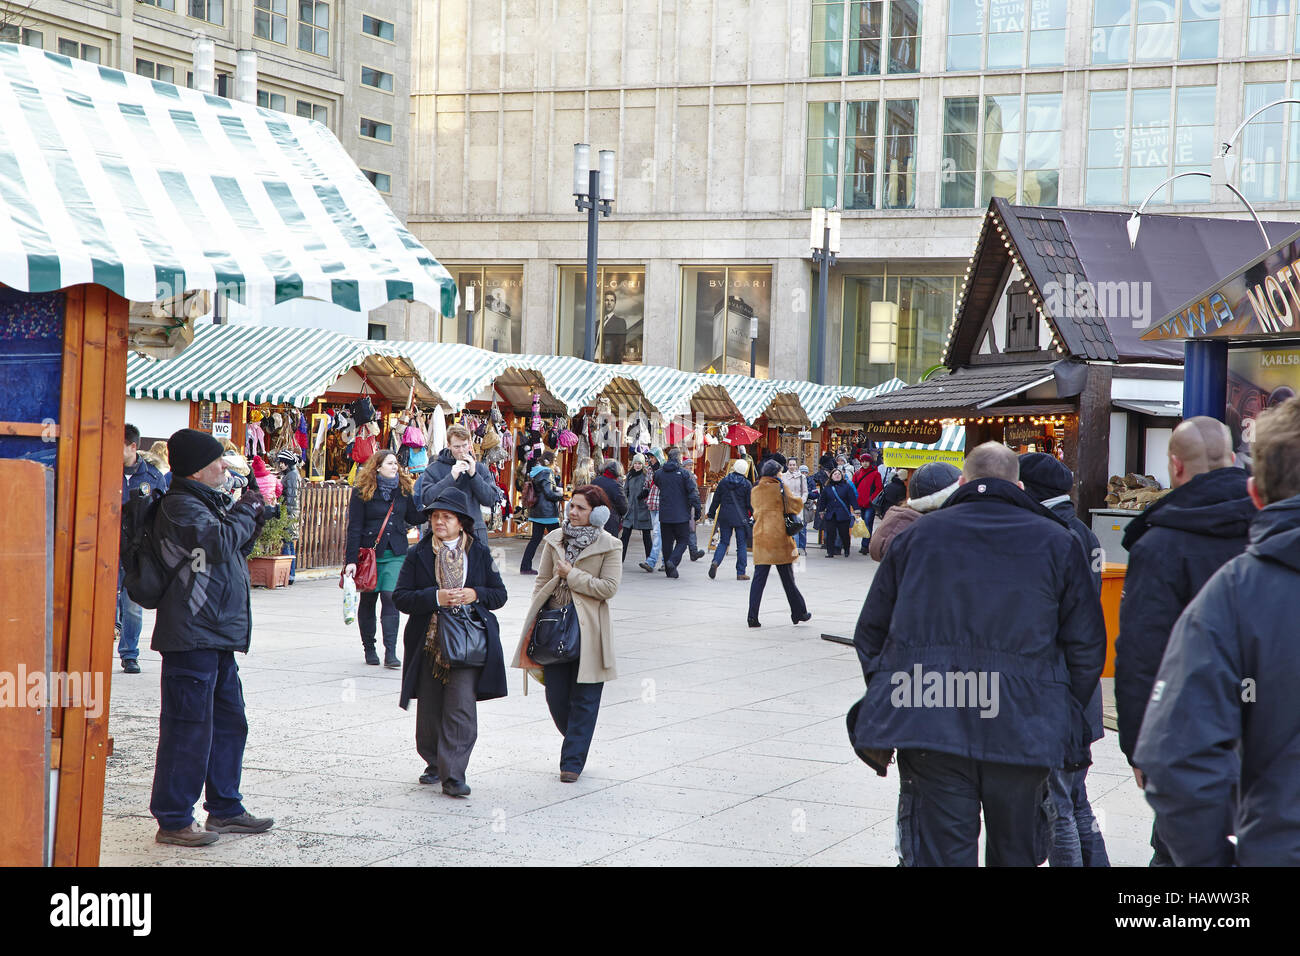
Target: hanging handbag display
{"x": 464, "y": 636}
{"x": 366, "y": 577}
{"x": 556, "y": 636}
{"x": 793, "y": 522}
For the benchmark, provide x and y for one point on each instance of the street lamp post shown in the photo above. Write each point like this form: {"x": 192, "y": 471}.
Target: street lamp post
{"x": 1135, "y": 220}
{"x": 593, "y": 191}
{"x": 1221, "y": 165}
{"x": 825, "y": 242}
{"x": 469, "y": 315}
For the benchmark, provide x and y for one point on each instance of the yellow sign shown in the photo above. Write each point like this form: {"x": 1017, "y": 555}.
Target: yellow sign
{"x": 916, "y": 457}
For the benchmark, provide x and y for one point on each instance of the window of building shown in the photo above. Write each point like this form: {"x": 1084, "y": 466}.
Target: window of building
{"x": 879, "y": 161}
{"x": 377, "y": 78}
{"x": 621, "y": 300}
{"x": 1020, "y": 158}
{"x": 155, "y": 71}
{"x": 381, "y": 181}
{"x": 271, "y": 20}
{"x": 894, "y": 326}
{"x": 720, "y": 304}
{"x": 272, "y": 101}
{"x": 1132, "y": 146}
{"x": 1005, "y": 34}
{"x": 314, "y": 27}
{"x": 380, "y": 29}
{"x": 1127, "y": 31}
{"x": 214, "y": 11}
{"x": 80, "y": 51}
{"x": 498, "y": 308}
{"x": 869, "y": 37}
{"x": 1269, "y": 29}
{"x": 374, "y": 129}
{"x": 313, "y": 111}
{"x": 376, "y": 331}
{"x": 33, "y": 38}
{"x": 161, "y": 4}
{"x": 1268, "y": 168}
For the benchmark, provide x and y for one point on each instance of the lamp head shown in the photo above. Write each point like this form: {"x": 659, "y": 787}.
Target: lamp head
{"x": 1134, "y": 224}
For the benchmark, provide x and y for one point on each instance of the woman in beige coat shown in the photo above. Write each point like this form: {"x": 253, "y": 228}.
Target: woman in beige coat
{"x": 581, "y": 563}
{"x": 772, "y": 546}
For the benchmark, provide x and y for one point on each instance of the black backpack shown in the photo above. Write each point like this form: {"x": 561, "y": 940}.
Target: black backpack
{"x": 144, "y": 575}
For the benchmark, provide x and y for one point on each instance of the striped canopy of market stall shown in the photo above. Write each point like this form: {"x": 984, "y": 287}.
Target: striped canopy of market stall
{"x": 951, "y": 447}
{"x": 154, "y": 190}
{"x": 260, "y": 363}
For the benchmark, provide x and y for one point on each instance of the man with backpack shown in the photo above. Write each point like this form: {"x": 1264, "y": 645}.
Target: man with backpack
{"x": 200, "y": 540}
{"x": 139, "y": 478}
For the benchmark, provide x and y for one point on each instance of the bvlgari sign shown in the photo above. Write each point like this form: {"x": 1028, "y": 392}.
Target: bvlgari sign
{"x": 1262, "y": 299}
{"x": 921, "y": 432}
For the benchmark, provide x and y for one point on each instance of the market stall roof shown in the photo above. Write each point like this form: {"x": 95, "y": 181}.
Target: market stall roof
{"x": 957, "y": 393}
{"x": 460, "y": 374}
{"x": 1156, "y": 408}
{"x": 154, "y": 190}
{"x": 259, "y": 363}
{"x": 1097, "y": 292}
{"x": 668, "y": 390}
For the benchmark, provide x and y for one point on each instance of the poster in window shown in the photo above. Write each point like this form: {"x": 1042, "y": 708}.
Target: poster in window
{"x": 622, "y": 317}
{"x": 1257, "y": 379}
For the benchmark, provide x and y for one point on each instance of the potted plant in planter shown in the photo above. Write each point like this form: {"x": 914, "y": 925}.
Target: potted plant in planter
{"x": 267, "y": 567}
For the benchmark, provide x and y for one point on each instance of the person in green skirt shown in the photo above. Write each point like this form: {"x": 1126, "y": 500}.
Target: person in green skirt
{"x": 380, "y": 513}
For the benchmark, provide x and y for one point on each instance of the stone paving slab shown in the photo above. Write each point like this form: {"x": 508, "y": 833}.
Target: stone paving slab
{"x": 719, "y": 745}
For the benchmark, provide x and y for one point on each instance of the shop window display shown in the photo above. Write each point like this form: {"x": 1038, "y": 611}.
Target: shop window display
{"x": 720, "y": 304}
{"x": 620, "y": 332}
{"x": 498, "y": 308}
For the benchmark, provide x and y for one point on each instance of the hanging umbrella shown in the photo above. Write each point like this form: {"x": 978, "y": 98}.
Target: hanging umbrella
{"x": 742, "y": 435}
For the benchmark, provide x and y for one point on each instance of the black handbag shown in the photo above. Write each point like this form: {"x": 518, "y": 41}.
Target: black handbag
{"x": 793, "y": 522}
{"x": 556, "y": 637}
{"x": 464, "y": 636}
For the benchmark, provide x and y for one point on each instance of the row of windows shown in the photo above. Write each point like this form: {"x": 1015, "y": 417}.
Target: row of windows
{"x": 271, "y": 21}
{"x": 862, "y": 154}
{"x": 304, "y": 108}
{"x": 873, "y": 37}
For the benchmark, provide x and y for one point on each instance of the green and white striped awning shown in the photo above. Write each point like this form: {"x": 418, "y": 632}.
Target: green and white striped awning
{"x": 260, "y": 363}
{"x": 153, "y": 190}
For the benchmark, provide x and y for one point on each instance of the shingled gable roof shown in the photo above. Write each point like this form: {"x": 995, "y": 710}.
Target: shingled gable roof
{"x": 1068, "y": 247}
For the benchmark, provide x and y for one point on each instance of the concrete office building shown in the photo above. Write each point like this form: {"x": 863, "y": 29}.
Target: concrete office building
{"x": 731, "y": 118}
{"x": 347, "y": 65}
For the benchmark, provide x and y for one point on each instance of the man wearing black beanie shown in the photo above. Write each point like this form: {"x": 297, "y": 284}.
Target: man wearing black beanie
{"x": 204, "y": 616}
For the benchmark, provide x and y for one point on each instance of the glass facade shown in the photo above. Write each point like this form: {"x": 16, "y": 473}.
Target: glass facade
{"x": 894, "y": 326}
{"x": 1138, "y": 138}
{"x": 879, "y": 151}
{"x": 1270, "y": 29}
{"x": 498, "y": 308}
{"x": 721, "y": 307}
{"x": 1268, "y": 151}
{"x": 620, "y": 338}
{"x": 1134, "y": 31}
{"x": 1005, "y": 34}
{"x": 865, "y": 37}
{"x": 1010, "y": 148}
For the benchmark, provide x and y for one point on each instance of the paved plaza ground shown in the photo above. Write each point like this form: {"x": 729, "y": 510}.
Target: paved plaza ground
{"x": 717, "y": 745}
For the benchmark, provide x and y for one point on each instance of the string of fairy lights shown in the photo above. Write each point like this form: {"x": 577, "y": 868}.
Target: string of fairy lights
{"x": 1056, "y": 421}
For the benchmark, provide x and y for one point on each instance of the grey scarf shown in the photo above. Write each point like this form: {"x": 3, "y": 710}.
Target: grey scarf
{"x": 577, "y": 540}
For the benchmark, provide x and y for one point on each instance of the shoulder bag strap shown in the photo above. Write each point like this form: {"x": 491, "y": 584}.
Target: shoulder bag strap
{"x": 379, "y": 537}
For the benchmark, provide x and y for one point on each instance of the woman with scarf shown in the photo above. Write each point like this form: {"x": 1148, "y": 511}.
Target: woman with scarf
{"x": 449, "y": 568}
{"x": 837, "y": 502}
{"x": 581, "y": 564}
{"x": 379, "y": 515}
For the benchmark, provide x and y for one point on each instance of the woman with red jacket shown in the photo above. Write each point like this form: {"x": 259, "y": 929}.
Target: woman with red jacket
{"x": 869, "y": 484}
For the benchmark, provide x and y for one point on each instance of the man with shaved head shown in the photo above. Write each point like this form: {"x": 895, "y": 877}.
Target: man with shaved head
{"x": 981, "y": 641}
{"x": 1174, "y": 547}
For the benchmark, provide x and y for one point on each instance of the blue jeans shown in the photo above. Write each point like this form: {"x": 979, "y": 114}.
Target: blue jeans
{"x": 574, "y": 708}
{"x": 291, "y": 547}
{"x": 724, "y": 541}
{"x": 201, "y": 735}
{"x": 1076, "y": 838}
{"x": 656, "y": 539}
{"x": 801, "y": 539}
{"x": 130, "y": 618}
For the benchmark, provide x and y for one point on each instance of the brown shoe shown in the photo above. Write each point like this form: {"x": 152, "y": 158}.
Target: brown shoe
{"x": 190, "y": 836}
{"x": 742, "y": 577}
{"x": 568, "y": 776}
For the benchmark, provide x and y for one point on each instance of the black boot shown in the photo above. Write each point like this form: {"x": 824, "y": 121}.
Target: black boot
{"x": 390, "y": 652}
{"x": 371, "y": 656}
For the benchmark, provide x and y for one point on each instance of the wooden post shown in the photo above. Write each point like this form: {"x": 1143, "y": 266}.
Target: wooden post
{"x": 1092, "y": 441}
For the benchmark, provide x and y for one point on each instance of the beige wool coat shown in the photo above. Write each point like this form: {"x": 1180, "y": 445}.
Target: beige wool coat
{"x": 771, "y": 544}
{"x": 594, "y": 580}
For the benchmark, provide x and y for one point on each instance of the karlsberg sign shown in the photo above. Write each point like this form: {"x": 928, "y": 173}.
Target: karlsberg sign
{"x": 1262, "y": 299}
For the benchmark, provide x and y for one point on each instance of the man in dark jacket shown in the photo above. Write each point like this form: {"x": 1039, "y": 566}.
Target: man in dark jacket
{"x": 138, "y": 478}
{"x": 1077, "y": 839}
{"x": 1174, "y": 547}
{"x": 203, "y": 618}
{"x": 981, "y": 640}
{"x": 730, "y": 510}
{"x": 1226, "y": 687}
{"x": 607, "y": 481}
{"x": 455, "y": 467}
{"x": 679, "y": 499}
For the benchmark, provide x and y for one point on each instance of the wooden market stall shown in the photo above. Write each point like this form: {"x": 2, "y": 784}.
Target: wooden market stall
{"x": 78, "y": 246}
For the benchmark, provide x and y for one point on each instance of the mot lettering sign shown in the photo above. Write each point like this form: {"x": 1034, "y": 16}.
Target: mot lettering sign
{"x": 922, "y": 433}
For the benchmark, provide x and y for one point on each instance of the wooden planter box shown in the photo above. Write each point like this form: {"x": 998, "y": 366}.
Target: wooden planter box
{"x": 270, "y": 572}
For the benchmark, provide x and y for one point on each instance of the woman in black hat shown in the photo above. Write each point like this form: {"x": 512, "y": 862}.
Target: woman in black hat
{"x": 449, "y": 568}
